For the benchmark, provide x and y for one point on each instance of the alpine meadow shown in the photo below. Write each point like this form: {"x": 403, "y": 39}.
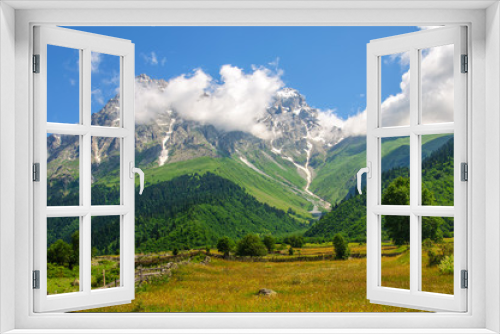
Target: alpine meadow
{"x": 250, "y": 201}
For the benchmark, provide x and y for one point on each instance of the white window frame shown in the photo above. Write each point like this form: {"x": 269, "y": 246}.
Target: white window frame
{"x": 413, "y": 43}
{"x": 85, "y": 43}
{"x": 484, "y": 49}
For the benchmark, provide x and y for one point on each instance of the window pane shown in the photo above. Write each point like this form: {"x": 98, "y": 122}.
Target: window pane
{"x": 437, "y": 170}
{"x": 105, "y": 89}
{"x": 395, "y": 169}
{"x": 63, "y": 255}
{"x": 63, "y": 85}
{"x": 395, "y": 262}
{"x": 437, "y": 84}
{"x": 105, "y": 171}
{"x": 105, "y": 252}
{"x": 395, "y": 89}
{"x": 437, "y": 255}
{"x": 63, "y": 170}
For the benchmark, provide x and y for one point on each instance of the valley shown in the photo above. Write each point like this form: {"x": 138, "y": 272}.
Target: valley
{"x": 295, "y": 181}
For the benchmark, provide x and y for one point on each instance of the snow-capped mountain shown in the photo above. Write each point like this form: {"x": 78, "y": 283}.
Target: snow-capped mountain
{"x": 298, "y": 139}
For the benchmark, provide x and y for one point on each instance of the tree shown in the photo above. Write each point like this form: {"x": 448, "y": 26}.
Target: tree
{"x": 225, "y": 246}
{"x": 94, "y": 252}
{"x": 290, "y": 251}
{"x": 74, "y": 259}
{"x": 341, "y": 247}
{"x": 59, "y": 253}
{"x": 251, "y": 245}
{"x": 295, "y": 241}
{"x": 269, "y": 242}
{"x": 398, "y": 227}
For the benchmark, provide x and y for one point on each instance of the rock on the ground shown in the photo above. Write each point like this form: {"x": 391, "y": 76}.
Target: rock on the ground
{"x": 266, "y": 292}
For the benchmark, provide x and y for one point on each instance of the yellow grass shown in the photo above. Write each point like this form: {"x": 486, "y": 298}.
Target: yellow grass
{"x": 225, "y": 286}
{"x": 396, "y": 270}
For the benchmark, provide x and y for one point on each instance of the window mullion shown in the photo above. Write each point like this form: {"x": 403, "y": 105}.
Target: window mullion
{"x": 414, "y": 171}
{"x": 86, "y": 172}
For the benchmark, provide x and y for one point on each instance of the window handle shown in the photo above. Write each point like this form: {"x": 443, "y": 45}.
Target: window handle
{"x": 134, "y": 170}
{"x": 368, "y": 171}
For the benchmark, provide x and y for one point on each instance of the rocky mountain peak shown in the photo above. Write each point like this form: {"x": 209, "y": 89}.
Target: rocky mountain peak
{"x": 288, "y": 100}
{"x": 296, "y": 132}
{"x": 145, "y": 81}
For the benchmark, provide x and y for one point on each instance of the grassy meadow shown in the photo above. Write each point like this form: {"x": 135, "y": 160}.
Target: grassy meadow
{"x": 300, "y": 286}
{"x": 61, "y": 279}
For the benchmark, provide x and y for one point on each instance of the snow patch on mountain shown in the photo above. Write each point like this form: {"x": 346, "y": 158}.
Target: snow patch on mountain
{"x": 164, "y": 153}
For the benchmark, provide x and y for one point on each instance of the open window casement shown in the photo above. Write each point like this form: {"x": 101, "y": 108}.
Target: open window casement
{"x": 84, "y": 212}
{"x": 423, "y": 105}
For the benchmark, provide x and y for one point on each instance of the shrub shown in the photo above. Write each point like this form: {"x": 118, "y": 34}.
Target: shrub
{"x": 427, "y": 243}
{"x": 434, "y": 258}
{"x": 295, "y": 241}
{"x": 447, "y": 249}
{"x": 341, "y": 247}
{"x": 251, "y": 245}
{"x": 225, "y": 246}
{"x": 446, "y": 266}
{"x": 175, "y": 252}
{"x": 290, "y": 251}
{"x": 59, "y": 253}
{"x": 270, "y": 243}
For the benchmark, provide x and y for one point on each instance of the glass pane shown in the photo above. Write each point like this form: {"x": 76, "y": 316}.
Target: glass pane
{"x": 395, "y": 264}
{"x": 105, "y": 89}
{"x": 395, "y": 89}
{"x": 437, "y": 84}
{"x": 395, "y": 168}
{"x": 63, "y": 255}
{"x": 63, "y": 170}
{"x": 105, "y": 252}
{"x": 105, "y": 171}
{"x": 437, "y": 255}
{"x": 63, "y": 85}
{"x": 437, "y": 170}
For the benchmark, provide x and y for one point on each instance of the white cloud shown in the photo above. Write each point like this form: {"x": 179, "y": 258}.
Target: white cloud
{"x": 437, "y": 94}
{"x": 95, "y": 61}
{"x": 275, "y": 63}
{"x": 98, "y": 96}
{"x": 238, "y": 100}
{"x": 403, "y": 58}
{"x": 152, "y": 59}
{"x": 113, "y": 80}
{"x": 233, "y": 104}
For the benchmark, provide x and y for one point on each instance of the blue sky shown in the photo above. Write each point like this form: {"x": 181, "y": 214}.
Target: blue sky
{"x": 326, "y": 64}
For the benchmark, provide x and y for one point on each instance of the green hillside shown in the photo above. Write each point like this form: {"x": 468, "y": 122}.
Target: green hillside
{"x": 349, "y": 217}
{"x": 188, "y": 211}
{"x": 196, "y": 210}
{"x": 267, "y": 190}
{"x": 338, "y": 173}
{"x": 336, "y": 177}
{"x": 276, "y": 167}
